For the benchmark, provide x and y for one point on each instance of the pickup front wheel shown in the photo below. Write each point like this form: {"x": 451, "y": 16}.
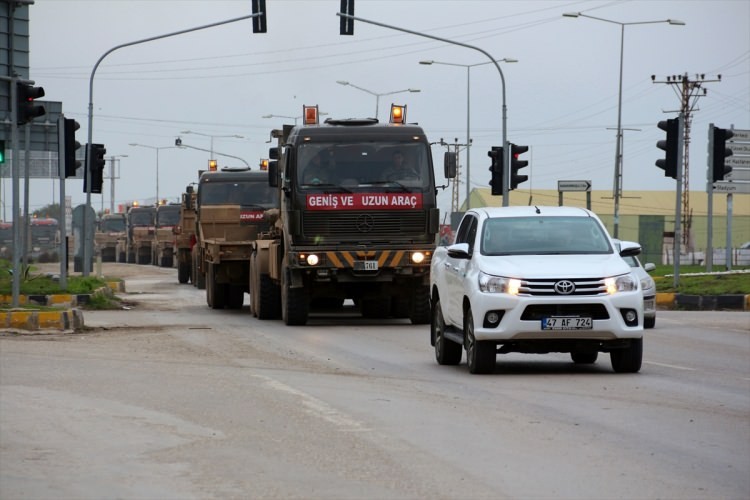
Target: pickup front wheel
{"x": 480, "y": 355}
{"x": 447, "y": 352}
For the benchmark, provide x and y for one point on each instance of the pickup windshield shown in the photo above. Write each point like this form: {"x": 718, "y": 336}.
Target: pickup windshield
{"x": 543, "y": 236}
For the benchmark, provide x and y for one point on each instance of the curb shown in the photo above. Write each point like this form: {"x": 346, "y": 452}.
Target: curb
{"x": 66, "y": 319}
{"x": 734, "y": 302}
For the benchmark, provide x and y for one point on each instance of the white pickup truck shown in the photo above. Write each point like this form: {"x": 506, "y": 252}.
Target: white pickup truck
{"x": 535, "y": 280}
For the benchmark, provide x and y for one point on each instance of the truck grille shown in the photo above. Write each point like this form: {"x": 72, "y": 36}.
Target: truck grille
{"x": 363, "y": 225}
{"x": 563, "y": 287}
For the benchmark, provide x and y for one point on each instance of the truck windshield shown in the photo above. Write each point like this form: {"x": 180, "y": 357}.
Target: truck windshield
{"x": 141, "y": 218}
{"x": 543, "y": 236}
{"x": 168, "y": 217}
{"x": 401, "y": 166}
{"x": 249, "y": 193}
{"x": 115, "y": 225}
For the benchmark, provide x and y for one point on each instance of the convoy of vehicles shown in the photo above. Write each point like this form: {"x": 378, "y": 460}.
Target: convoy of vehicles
{"x": 230, "y": 208}
{"x": 357, "y": 228}
{"x": 109, "y": 230}
{"x": 163, "y": 246}
{"x": 535, "y": 280}
{"x": 184, "y": 234}
{"x": 135, "y": 247}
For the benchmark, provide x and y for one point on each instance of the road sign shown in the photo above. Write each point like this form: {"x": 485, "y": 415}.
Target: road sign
{"x": 732, "y": 187}
{"x": 739, "y": 148}
{"x": 741, "y": 135}
{"x": 738, "y": 174}
{"x": 574, "y": 186}
{"x": 738, "y": 161}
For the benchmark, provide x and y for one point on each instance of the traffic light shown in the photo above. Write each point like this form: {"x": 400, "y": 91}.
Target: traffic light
{"x": 719, "y": 152}
{"x": 2, "y": 151}
{"x": 71, "y": 146}
{"x": 517, "y": 164}
{"x": 496, "y": 182}
{"x": 259, "y": 22}
{"x": 96, "y": 165}
{"x": 670, "y": 145}
{"x": 26, "y": 109}
{"x": 346, "y": 26}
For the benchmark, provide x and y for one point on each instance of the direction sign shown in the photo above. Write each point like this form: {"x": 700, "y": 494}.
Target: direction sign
{"x": 574, "y": 185}
{"x": 741, "y": 135}
{"x": 732, "y": 187}
{"x": 738, "y": 161}
{"x": 739, "y": 148}
{"x": 738, "y": 174}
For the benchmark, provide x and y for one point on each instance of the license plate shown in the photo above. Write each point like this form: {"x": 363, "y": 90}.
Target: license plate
{"x": 566, "y": 323}
{"x": 366, "y": 265}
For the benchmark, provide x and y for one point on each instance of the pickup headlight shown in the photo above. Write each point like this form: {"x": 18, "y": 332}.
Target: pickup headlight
{"x": 498, "y": 284}
{"x": 648, "y": 283}
{"x": 624, "y": 283}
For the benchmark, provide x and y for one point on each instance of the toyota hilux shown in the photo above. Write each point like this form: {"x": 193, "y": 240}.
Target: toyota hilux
{"x": 535, "y": 280}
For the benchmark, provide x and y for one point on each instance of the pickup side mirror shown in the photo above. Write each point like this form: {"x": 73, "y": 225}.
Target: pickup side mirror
{"x": 459, "y": 251}
{"x": 450, "y": 164}
{"x": 629, "y": 248}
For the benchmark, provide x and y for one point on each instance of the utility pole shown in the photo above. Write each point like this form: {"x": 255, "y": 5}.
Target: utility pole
{"x": 688, "y": 91}
{"x": 455, "y": 195}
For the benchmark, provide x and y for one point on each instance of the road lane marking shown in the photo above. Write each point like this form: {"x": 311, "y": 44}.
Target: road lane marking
{"x": 676, "y": 367}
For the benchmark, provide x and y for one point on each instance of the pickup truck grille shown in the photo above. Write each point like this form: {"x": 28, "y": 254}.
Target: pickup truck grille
{"x": 563, "y": 287}
{"x": 364, "y": 225}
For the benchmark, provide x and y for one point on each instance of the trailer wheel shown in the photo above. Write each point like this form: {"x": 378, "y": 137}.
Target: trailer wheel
{"x": 235, "y": 296}
{"x": 215, "y": 292}
{"x": 183, "y": 272}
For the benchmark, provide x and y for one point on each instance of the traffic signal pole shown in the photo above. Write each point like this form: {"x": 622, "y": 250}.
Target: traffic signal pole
{"x": 87, "y": 235}
{"x": 348, "y": 21}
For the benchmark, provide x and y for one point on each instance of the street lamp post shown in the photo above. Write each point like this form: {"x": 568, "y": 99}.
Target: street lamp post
{"x": 112, "y": 159}
{"x": 376, "y": 94}
{"x": 617, "y": 189}
{"x": 295, "y": 118}
{"x": 468, "y": 112}
{"x": 234, "y": 136}
{"x": 157, "y": 149}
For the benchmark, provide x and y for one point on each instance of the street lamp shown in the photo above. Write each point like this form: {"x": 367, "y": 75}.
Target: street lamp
{"x": 376, "y": 94}
{"x": 295, "y": 118}
{"x": 112, "y": 182}
{"x": 617, "y": 189}
{"x": 468, "y": 111}
{"x": 234, "y": 136}
{"x": 157, "y": 162}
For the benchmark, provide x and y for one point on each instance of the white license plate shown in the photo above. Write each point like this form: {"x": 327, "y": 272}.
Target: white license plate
{"x": 566, "y": 323}
{"x": 366, "y": 265}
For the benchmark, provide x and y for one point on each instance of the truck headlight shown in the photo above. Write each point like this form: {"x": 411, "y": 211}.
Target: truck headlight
{"x": 498, "y": 284}
{"x": 624, "y": 283}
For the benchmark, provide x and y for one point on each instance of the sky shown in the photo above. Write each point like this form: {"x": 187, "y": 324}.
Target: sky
{"x": 561, "y": 96}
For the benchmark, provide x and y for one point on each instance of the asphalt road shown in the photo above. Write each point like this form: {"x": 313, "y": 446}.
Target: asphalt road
{"x": 170, "y": 399}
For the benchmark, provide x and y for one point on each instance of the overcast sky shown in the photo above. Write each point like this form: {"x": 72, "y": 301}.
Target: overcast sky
{"x": 561, "y": 95}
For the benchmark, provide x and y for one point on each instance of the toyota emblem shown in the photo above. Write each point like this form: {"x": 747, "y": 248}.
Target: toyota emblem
{"x": 565, "y": 287}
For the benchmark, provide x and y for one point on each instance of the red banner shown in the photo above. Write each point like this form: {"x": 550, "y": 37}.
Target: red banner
{"x": 364, "y": 201}
{"x": 251, "y": 216}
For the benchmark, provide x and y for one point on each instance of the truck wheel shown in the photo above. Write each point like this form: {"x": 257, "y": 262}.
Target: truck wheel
{"x": 183, "y": 272}
{"x": 131, "y": 257}
{"x": 215, "y": 292}
{"x": 235, "y": 296}
{"x": 419, "y": 311}
{"x": 268, "y": 303}
{"x": 447, "y": 352}
{"x": 480, "y": 355}
{"x": 628, "y": 360}
{"x": 294, "y": 303}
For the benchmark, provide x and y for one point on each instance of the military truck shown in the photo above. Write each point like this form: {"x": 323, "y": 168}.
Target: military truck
{"x": 163, "y": 245}
{"x": 109, "y": 229}
{"x": 135, "y": 248}
{"x": 229, "y": 207}
{"x": 184, "y": 233}
{"x": 363, "y": 232}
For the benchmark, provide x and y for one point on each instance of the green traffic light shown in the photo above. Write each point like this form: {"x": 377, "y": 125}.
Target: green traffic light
{"x": 2, "y": 151}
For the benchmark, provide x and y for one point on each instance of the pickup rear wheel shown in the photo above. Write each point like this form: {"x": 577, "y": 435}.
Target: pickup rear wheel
{"x": 480, "y": 355}
{"x": 447, "y": 352}
{"x": 628, "y": 360}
